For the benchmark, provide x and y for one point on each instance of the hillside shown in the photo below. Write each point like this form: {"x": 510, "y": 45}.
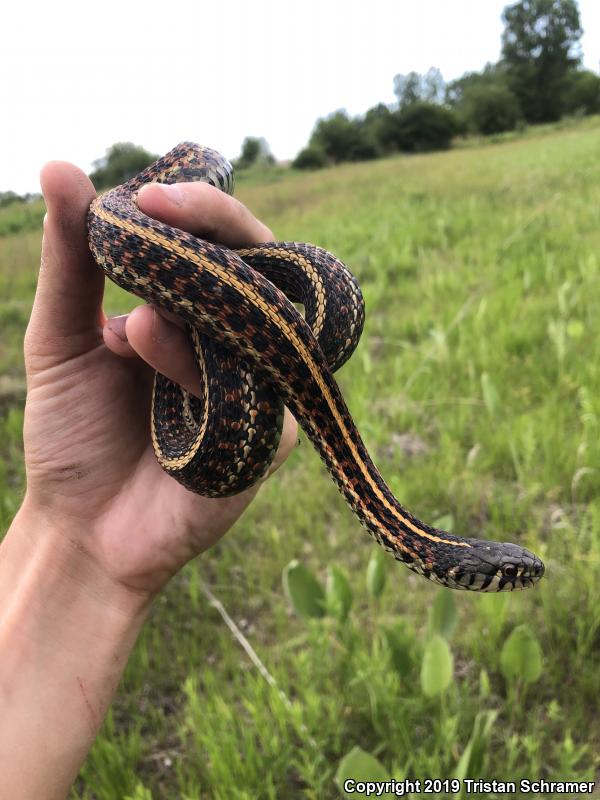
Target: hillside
{"x": 477, "y": 389}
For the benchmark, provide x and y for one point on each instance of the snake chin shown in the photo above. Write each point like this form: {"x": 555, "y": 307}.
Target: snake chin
{"x": 494, "y": 567}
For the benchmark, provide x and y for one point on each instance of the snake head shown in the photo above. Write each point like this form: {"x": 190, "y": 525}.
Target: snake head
{"x": 494, "y": 567}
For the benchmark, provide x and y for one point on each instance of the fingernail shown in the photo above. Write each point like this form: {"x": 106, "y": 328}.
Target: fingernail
{"x": 161, "y": 330}
{"x": 172, "y": 191}
{"x": 117, "y": 326}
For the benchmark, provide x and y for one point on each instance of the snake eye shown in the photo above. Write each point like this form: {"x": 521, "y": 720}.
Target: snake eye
{"x": 509, "y": 571}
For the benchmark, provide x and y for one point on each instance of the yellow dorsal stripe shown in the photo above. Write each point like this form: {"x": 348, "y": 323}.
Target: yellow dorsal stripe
{"x": 303, "y": 264}
{"x": 215, "y": 269}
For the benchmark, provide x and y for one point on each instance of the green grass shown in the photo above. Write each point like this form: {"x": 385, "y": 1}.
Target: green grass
{"x": 482, "y": 343}
{"x": 21, "y": 216}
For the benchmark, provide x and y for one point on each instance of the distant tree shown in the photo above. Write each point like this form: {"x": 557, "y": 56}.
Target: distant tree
{"x": 342, "y": 138}
{"x": 407, "y": 88}
{"x": 583, "y": 93}
{"x": 255, "y": 150}
{"x": 421, "y": 126}
{"x": 483, "y": 101}
{"x": 6, "y": 198}
{"x": 250, "y": 151}
{"x": 491, "y": 109}
{"x": 379, "y": 127}
{"x": 540, "y": 48}
{"x": 9, "y": 197}
{"x": 311, "y": 157}
{"x": 377, "y": 113}
{"x": 416, "y": 88}
{"x": 491, "y": 75}
{"x": 434, "y": 86}
{"x": 121, "y": 162}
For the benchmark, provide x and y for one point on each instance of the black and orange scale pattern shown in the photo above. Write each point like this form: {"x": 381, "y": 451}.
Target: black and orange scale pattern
{"x": 256, "y": 352}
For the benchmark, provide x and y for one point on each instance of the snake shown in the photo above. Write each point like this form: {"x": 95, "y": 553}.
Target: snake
{"x": 256, "y": 352}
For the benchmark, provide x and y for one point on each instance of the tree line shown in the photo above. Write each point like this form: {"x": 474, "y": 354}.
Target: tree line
{"x": 538, "y": 79}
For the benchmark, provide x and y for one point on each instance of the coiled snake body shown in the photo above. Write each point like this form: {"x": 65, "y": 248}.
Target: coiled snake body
{"x": 255, "y": 352}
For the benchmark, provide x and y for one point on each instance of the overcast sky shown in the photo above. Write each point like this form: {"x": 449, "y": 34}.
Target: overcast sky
{"x": 79, "y": 76}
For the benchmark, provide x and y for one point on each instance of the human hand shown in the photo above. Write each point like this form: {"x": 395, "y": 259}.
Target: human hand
{"x": 102, "y": 528}
{"x": 91, "y": 470}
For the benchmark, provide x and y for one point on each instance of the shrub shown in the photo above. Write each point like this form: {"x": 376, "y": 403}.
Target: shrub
{"x": 342, "y": 138}
{"x": 255, "y": 152}
{"x": 7, "y": 198}
{"x": 121, "y": 162}
{"x": 379, "y": 127}
{"x": 490, "y": 109}
{"x": 420, "y": 127}
{"x": 311, "y": 157}
{"x": 583, "y": 93}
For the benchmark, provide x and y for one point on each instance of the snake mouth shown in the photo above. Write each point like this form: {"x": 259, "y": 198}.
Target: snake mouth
{"x": 528, "y": 578}
{"x": 493, "y": 567}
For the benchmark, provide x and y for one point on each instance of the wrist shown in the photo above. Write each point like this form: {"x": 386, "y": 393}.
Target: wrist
{"x": 66, "y": 632}
{"x": 46, "y": 560}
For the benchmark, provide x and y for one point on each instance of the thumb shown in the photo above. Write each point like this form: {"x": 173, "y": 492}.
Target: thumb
{"x": 66, "y": 317}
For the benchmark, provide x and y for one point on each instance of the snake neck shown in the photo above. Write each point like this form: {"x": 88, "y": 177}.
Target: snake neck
{"x": 329, "y": 425}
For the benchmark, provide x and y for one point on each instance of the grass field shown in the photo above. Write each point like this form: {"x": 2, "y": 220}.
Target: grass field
{"x": 477, "y": 389}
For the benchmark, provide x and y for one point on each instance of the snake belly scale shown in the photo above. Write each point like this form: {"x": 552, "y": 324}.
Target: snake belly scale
{"x": 256, "y": 353}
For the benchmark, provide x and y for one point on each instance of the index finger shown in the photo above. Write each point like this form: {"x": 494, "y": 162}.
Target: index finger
{"x": 204, "y": 211}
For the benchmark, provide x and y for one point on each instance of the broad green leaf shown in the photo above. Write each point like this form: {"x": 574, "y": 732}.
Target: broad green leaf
{"x": 490, "y": 395}
{"x": 437, "y": 667}
{"x": 443, "y": 616}
{"x": 339, "y": 594}
{"x": 376, "y": 573}
{"x": 521, "y": 656}
{"x": 359, "y": 765}
{"x": 401, "y": 647}
{"x": 303, "y": 590}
